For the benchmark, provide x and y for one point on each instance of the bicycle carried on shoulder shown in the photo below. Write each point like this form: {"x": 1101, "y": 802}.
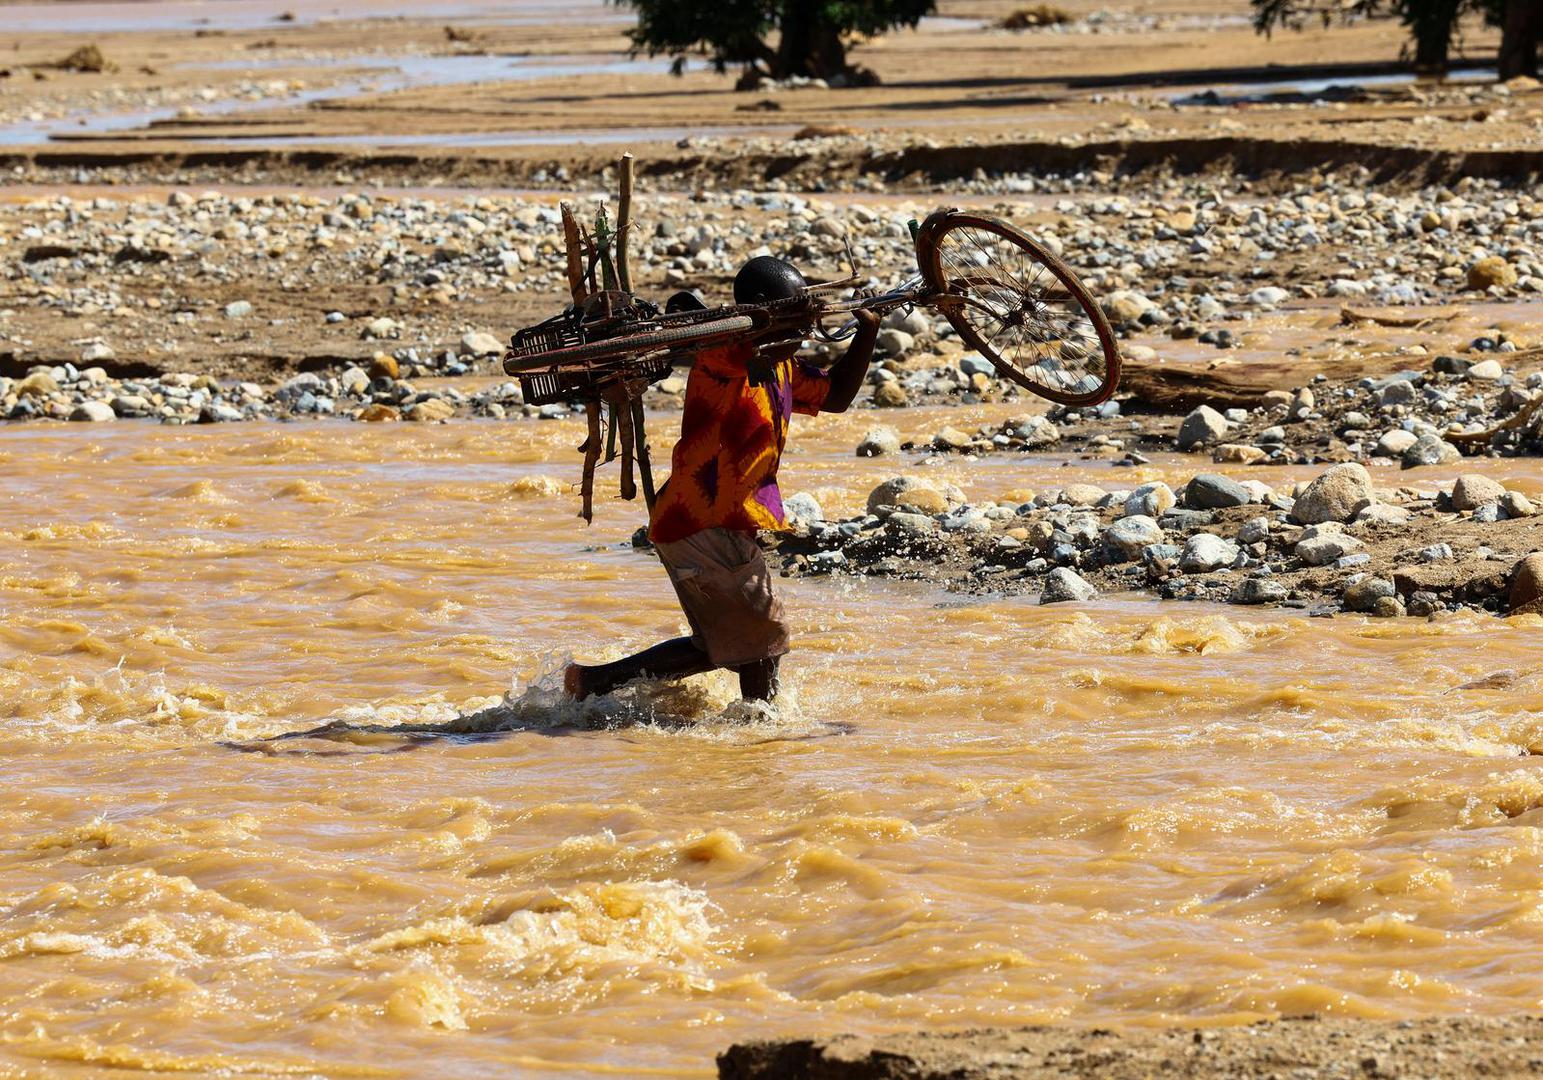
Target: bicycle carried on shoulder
{"x": 1007, "y": 297}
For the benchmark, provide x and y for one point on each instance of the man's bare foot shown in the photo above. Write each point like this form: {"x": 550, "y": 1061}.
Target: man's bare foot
{"x": 573, "y": 682}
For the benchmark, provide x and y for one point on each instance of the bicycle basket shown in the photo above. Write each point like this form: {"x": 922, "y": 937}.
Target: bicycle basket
{"x": 551, "y": 387}
{"x": 561, "y": 332}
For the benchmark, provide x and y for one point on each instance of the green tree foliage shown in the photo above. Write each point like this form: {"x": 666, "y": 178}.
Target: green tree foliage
{"x": 771, "y": 37}
{"x": 1433, "y": 24}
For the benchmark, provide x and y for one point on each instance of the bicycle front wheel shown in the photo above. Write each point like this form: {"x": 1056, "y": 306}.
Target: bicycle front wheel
{"x": 1020, "y": 307}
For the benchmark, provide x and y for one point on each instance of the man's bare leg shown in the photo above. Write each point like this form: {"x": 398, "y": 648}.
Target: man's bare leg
{"x": 673, "y": 659}
{"x": 758, "y": 681}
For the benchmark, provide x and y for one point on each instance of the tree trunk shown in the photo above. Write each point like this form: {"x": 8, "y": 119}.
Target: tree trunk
{"x": 1519, "y": 38}
{"x": 810, "y": 46}
{"x": 1432, "y": 23}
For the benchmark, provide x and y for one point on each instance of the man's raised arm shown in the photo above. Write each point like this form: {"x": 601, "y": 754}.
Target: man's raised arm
{"x": 846, "y": 375}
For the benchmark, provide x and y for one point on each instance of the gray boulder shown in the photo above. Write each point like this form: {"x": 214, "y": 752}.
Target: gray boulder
{"x": 1364, "y": 594}
{"x": 1151, "y": 500}
{"x": 1201, "y": 427}
{"x": 1205, "y": 552}
{"x": 1254, "y": 531}
{"x": 1335, "y": 495}
{"x": 1035, "y": 431}
{"x": 1064, "y": 585}
{"x": 1259, "y": 590}
{"x": 1472, "y": 491}
{"x": 131, "y": 405}
{"x": 879, "y": 442}
{"x": 802, "y": 506}
{"x": 907, "y": 493}
{"x": 913, "y": 322}
{"x": 1373, "y": 515}
{"x": 1517, "y": 505}
{"x": 1393, "y": 443}
{"x": 905, "y": 523}
{"x": 1125, "y": 306}
{"x": 1124, "y": 540}
{"x": 1322, "y": 550}
{"x": 481, "y": 343}
{"x": 892, "y": 342}
{"x": 1430, "y": 450}
{"x": 1212, "y": 491}
{"x": 95, "y": 412}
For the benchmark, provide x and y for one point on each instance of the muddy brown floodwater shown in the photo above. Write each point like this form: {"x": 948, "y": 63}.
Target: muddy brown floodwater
{"x": 969, "y": 811}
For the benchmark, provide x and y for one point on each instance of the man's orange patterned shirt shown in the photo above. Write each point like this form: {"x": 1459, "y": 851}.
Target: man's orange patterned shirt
{"x": 723, "y": 472}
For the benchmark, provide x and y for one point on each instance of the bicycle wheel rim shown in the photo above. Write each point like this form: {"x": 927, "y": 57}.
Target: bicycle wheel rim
{"x": 1021, "y": 308}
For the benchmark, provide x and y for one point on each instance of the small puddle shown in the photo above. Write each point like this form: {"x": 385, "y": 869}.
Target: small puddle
{"x": 403, "y": 72}
{"x": 1315, "y": 89}
{"x": 385, "y": 74}
{"x": 951, "y": 24}
{"x": 492, "y": 138}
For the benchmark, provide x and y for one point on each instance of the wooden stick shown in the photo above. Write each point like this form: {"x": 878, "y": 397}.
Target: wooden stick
{"x": 610, "y": 433}
{"x": 575, "y": 254}
{"x": 1510, "y": 423}
{"x": 591, "y": 455}
{"x": 640, "y": 437}
{"x": 1416, "y": 321}
{"x": 624, "y": 225}
{"x": 590, "y": 259}
{"x": 629, "y": 486}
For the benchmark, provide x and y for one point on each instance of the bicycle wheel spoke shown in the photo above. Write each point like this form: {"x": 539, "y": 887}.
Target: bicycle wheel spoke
{"x": 960, "y": 273}
{"x": 1038, "y": 268}
{"x": 1021, "y": 311}
{"x": 991, "y": 267}
{"x": 994, "y": 261}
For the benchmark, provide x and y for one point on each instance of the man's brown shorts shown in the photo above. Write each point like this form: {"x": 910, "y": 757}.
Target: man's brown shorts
{"x": 725, "y": 590}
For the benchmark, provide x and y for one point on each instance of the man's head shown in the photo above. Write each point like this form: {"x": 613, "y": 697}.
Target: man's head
{"x": 764, "y": 279}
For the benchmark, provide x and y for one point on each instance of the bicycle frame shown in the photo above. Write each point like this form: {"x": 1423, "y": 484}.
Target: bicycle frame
{"x": 586, "y": 348}
{"x": 605, "y": 349}
{"x": 910, "y": 293}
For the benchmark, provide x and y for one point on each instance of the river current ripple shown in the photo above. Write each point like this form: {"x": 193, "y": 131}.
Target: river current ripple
{"x": 969, "y": 811}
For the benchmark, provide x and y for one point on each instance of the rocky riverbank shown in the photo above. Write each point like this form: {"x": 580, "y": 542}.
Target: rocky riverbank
{"x": 1472, "y": 404}
{"x": 1337, "y": 543}
{"x": 374, "y": 393}
{"x": 226, "y": 283}
{"x": 1455, "y": 1048}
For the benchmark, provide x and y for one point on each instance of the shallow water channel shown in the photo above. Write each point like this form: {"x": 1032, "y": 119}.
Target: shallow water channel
{"x": 969, "y": 810}
{"x": 346, "y": 77}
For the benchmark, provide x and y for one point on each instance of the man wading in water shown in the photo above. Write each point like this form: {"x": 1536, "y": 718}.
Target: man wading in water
{"x": 723, "y": 489}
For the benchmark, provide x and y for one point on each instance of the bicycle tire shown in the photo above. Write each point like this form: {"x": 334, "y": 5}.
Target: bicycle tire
{"x": 1073, "y": 375}
{"x": 629, "y": 345}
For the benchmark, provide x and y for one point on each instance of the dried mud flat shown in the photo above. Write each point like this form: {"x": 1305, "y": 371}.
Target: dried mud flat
{"x": 543, "y": 103}
{"x": 1306, "y": 1049}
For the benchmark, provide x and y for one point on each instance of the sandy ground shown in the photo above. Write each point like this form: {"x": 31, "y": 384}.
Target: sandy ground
{"x": 527, "y": 97}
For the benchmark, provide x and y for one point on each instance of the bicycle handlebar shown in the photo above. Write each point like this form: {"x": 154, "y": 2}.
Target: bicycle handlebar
{"x": 907, "y": 293}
